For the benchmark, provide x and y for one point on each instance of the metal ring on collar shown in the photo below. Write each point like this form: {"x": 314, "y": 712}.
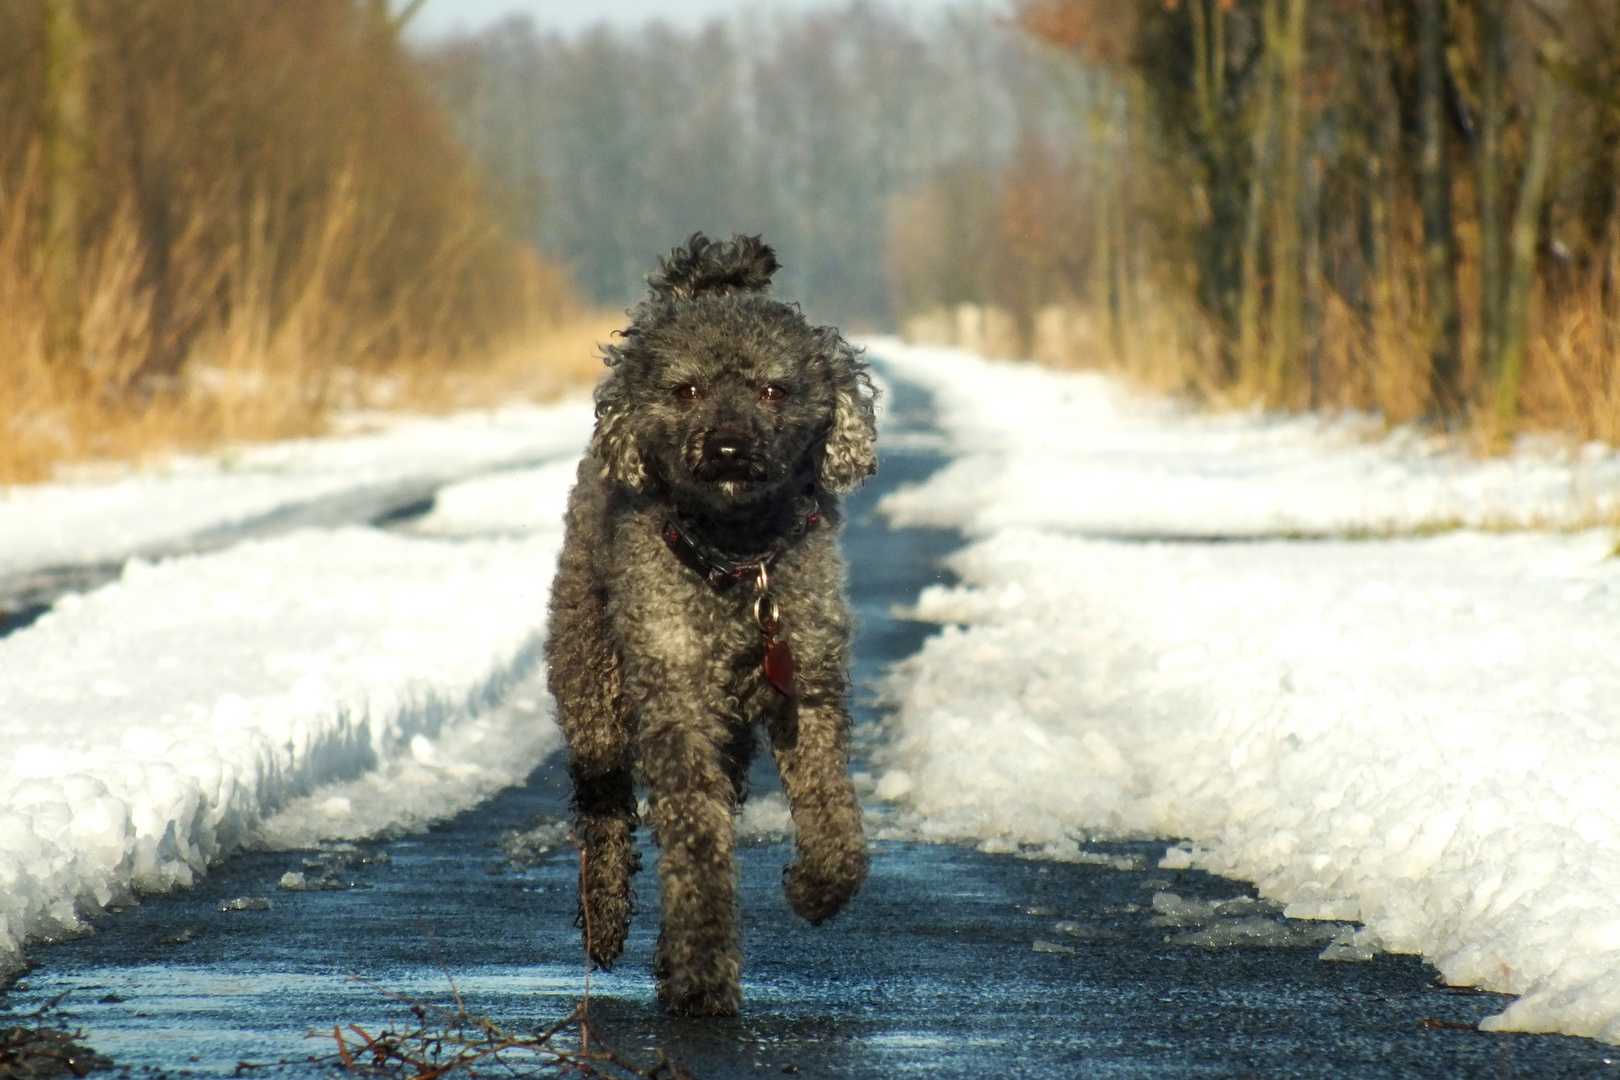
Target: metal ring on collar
{"x": 766, "y": 623}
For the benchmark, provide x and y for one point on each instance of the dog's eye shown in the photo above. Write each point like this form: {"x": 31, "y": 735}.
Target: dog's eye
{"x": 689, "y": 392}
{"x": 772, "y": 393}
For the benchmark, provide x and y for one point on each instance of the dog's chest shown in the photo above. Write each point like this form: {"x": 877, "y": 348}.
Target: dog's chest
{"x": 666, "y": 607}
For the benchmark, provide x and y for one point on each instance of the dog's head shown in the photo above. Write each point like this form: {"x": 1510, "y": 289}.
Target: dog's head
{"x": 722, "y": 396}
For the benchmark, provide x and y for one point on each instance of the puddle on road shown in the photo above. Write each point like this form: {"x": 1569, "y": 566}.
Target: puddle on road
{"x": 933, "y": 971}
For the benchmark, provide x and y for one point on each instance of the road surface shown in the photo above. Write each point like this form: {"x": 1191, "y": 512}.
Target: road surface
{"x": 950, "y": 963}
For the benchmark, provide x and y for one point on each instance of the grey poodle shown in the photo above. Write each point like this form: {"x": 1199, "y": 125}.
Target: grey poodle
{"x": 701, "y": 592}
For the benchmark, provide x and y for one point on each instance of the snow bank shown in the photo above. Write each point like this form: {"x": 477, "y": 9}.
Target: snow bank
{"x": 1419, "y": 734}
{"x": 518, "y": 502}
{"x": 1080, "y": 453}
{"x": 99, "y": 519}
{"x": 337, "y": 683}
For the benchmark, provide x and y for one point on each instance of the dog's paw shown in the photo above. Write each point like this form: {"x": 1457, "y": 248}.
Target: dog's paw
{"x": 817, "y": 895}
{"x": 608, "y": 926}
{"x": 700, "y": 1001}
{"x": 605, "y": 947}
{"x": 697, "y": 978}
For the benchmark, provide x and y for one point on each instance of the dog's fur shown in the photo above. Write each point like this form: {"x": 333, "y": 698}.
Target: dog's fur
{"x": 729, "y": 413}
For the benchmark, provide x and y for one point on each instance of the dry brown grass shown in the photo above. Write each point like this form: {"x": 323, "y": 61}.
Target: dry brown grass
{"x": 1572, "y": 374}
{"x": 260, "y": 370}
{"x": 272, "y": 221}
{"x": 560, "y": 359}
{"x": 233, "y": 394}
{"x": 1372, "y": 361}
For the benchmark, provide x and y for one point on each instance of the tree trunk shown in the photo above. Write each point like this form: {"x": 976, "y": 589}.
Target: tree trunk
{"x": 1383, "y": 165}
{"x": 1493, "y": 71}
{"x": 1311, "y": 338}
{"x": 1248, "y": 357}
{"x": 1287, "y": 316}
{"x": 66, "y": 167}
{"x": 1221, "y": 142}
{"x": 1434, "y": 191}
{"x": 1105, "y": 170}
{"x": 1526, "y": 222}
{"x": 1134, "y": 140}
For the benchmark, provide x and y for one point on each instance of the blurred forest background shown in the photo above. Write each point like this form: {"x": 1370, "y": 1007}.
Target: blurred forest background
{"x": 1407, "y": 206}
{"x": 823, "y": 131}
{"x": 225, "y": 220}
{"x": 1404, "y": 205}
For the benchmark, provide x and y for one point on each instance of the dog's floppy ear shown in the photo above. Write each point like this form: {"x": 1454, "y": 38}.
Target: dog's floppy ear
{"x": 706, "y": 268}
{"x": 614, "y": 444}
{"x": 849, "y": 453}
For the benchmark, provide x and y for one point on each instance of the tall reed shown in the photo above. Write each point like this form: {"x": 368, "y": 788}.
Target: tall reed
{"x": 275, "y": 221}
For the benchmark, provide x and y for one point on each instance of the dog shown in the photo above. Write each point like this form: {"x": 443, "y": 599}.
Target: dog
{"x": 700, "y": 592}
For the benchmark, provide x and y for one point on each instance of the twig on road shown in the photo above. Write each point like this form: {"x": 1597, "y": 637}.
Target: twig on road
{"x": 1447, "y": 1025}
{"x": 451, "y": 1042}
{"x": 37, "y": 1048}
{"x": 447, "y": 1043}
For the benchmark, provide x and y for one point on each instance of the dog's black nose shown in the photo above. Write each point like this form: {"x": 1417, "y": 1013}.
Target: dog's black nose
{"x": 730, "y": 455}
{"x": 728, "y": 448}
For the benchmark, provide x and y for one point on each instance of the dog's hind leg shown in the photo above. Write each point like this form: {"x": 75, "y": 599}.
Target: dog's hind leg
{"x": 691, "y": 801}
{"x": 810, "y": 741}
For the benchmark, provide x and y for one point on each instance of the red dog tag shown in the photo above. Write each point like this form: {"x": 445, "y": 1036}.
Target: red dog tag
{"x": 779, "y": 667}
{"x": 778, "y": 657}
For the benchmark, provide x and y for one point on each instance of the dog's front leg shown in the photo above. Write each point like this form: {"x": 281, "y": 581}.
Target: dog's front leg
{"x": 600, "y": 756}
{"x": 810, "y": 741}
{"x": 584, "y": 672}
{"x": 691, "y": 803}
{"x": 605, "y": 830}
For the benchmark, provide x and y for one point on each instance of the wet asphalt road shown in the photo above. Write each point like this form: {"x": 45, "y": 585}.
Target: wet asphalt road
{"x": 933, "y": 971}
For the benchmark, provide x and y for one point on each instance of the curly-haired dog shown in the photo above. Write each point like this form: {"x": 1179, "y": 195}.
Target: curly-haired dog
{"x": 700, "y": 592}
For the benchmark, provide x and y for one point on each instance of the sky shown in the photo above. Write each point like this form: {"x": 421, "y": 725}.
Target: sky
{"x": 441, "y": 17}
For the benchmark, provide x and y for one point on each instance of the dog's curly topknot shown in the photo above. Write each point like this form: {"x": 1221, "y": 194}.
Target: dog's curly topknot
{"x": 706, "y": 267}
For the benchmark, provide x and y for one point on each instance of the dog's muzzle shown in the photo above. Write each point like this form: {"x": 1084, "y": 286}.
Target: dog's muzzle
{"x": 727, "y": 456}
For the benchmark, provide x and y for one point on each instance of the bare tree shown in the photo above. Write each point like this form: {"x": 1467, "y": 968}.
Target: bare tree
{"x": 1434, "y": 184}
{"x": 1526, "y": 226}
{"x": 67, "y": 157}
{"x": 1286, "y": 38}
{"x": 1491, "y": 164}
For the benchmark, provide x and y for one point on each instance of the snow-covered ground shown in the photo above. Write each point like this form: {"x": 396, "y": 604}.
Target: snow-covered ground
{"x": 1078, "y": 453}
{"x": 1422, "y": 734}
{"x": 1417, "y": 733}
{"x": 93, "y": 519}
{"x": 324, "y": 684}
